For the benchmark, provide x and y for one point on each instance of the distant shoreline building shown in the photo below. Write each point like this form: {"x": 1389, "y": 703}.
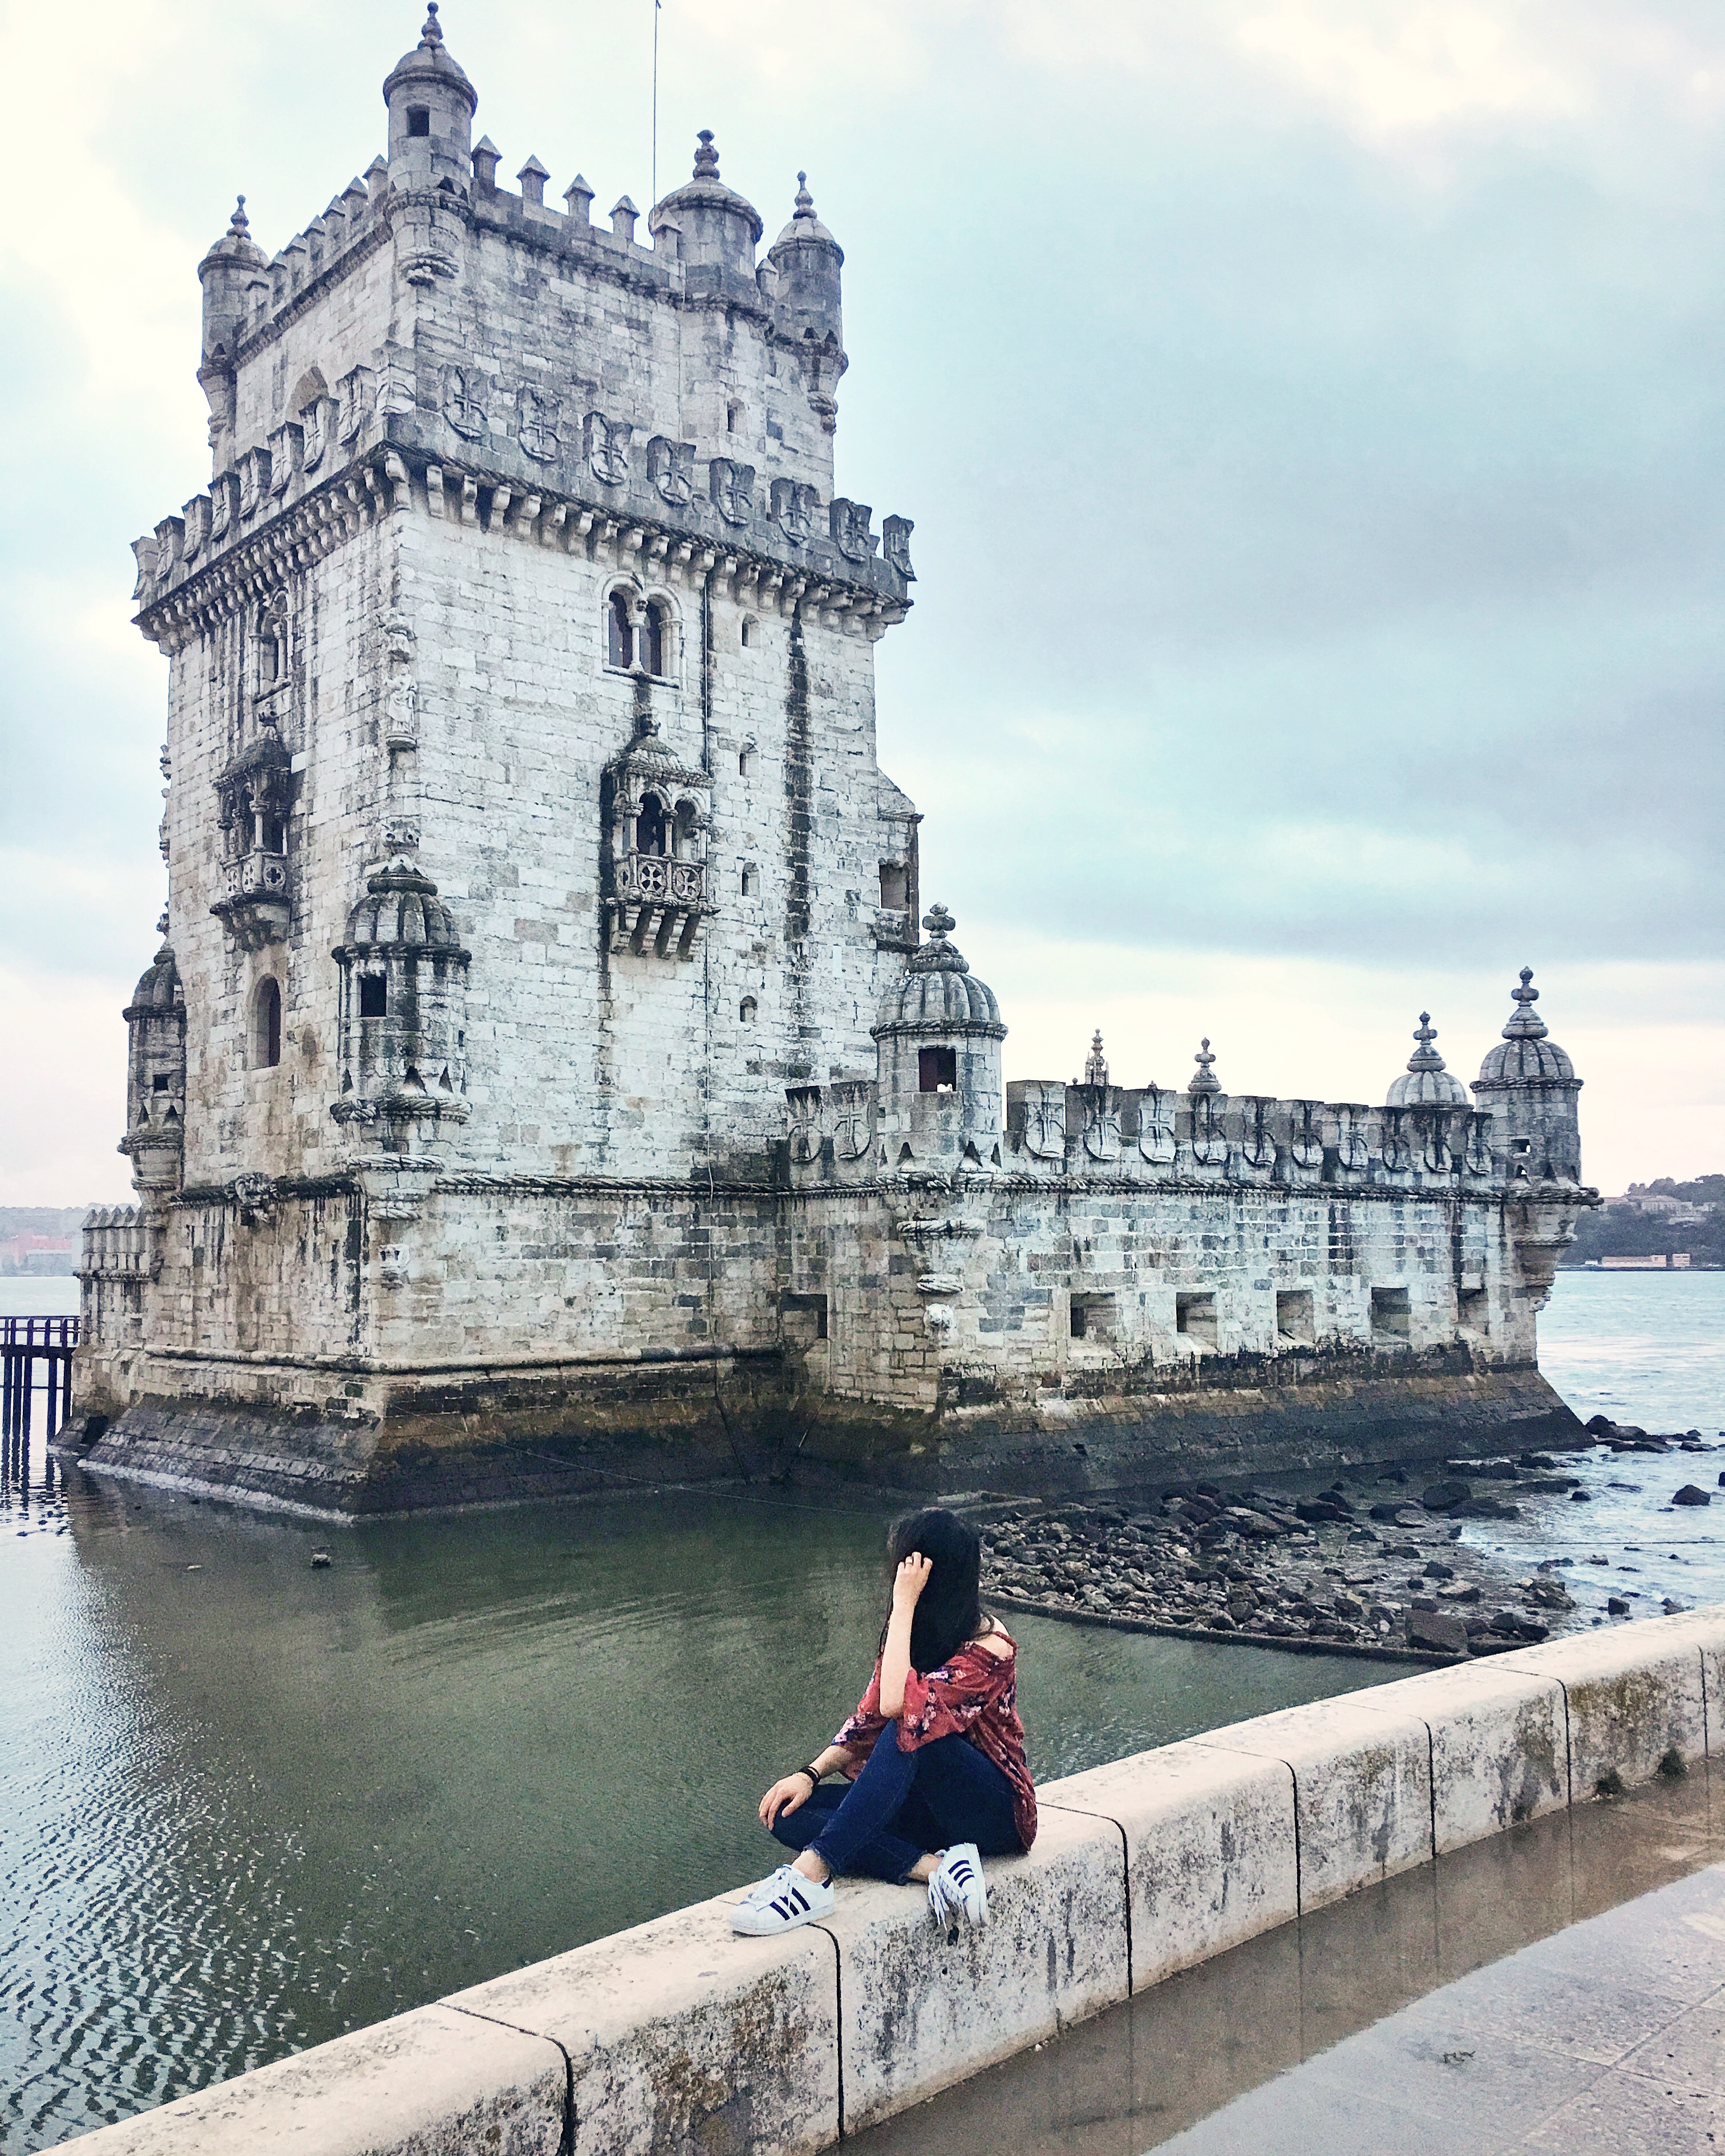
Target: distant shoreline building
{"x": 544, "y": 1080}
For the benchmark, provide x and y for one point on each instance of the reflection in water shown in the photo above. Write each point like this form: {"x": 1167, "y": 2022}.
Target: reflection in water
{"x": 257, "y": 1803}
{"x": 244, "y": 1805}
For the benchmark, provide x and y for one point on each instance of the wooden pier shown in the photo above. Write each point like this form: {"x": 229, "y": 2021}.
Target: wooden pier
{"x": 25, "y": 1343}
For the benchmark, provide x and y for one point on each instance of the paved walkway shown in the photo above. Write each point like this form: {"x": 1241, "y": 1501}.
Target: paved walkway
{"x": 1561, "y": 1988}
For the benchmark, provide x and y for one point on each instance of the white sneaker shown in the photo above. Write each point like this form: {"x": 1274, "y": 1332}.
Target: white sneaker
{"x": 781, "y": 1903}
{"x": 957, "y": 1887}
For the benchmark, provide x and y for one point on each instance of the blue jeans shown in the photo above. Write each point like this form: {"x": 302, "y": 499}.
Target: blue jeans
{"x": 905, "y": 1805}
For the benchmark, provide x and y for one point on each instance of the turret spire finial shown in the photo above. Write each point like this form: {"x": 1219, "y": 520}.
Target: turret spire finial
{"x": 1525, "y": 1023}
{"x": 1095, "y": 1064}
{"x": 432, "y": 34}
{"x": 706, "y": 157}
{"x": 805, "y": 201}
{"x": 1425, "y": 1057}
{"x": 939, "y": 923}
{"x": 239, "y": 224}
{"x": 1204, "y": 1080}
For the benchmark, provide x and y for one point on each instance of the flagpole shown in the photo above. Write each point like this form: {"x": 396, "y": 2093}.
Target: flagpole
{"x": 655, "y": 100}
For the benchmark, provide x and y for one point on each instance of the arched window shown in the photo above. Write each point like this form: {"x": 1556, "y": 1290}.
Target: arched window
{"x": 649, "y": 826}
{"x": 655, "y": 637}
{"x": 266, "y": 1025}
{"x": 620, "y": 632}
{"x": 688, "y": 817}
{"x": 746, "y": 1011}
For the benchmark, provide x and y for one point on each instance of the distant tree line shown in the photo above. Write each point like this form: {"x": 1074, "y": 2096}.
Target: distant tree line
{"x": 1622, "y": 1232}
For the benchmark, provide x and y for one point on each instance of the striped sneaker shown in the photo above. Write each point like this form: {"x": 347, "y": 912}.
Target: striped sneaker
{"x": 781, "y": 1903}
{"x": 957, "y": 1888}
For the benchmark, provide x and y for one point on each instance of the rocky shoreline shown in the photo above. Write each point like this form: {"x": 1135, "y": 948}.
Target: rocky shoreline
{"x": 1372, "y": 1562}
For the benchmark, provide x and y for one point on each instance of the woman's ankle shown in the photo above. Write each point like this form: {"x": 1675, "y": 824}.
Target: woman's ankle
{"x": 812, "y": 1867}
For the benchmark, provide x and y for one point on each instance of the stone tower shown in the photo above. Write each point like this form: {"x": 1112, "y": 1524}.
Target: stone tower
{"x": 524, "y": 810}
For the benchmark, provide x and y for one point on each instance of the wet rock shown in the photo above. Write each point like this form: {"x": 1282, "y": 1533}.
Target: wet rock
{"x": 1535, "y": 1459}
{"x": 1314, "y": 1509}
{"x": 1437, "y": 1570}
{"x": 1690, "y": 1495}
{"x": 1444, "y": 1496}
{"x": 1616, "y": 1606}
{"x": 1551, "y": 1594}
{"x": 321, "y": 1560}
{"x": 1436, "y": 1632}
{"x": 1585, "y": 1496}
{"x": 1462, "y": 1592}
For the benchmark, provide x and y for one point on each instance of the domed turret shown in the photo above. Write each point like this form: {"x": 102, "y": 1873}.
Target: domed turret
{"x": 807, "y": 301}
{"x": 1530, "y": 1086}
{"x": 156, "y": 1076}
{"x": 403, "y": 1043}
{"x": 1426, "y": 1083}
{"x": 938, "y": 1047}
{"x": 431, "y": 107}
{"x": 718, "y": 230}
{"x": 227, "y": 274}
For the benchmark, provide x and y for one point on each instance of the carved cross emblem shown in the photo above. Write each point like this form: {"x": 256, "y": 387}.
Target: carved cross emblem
{"x": 464, "y": 402}
{"x": 540, "y": 430}
{"x": 733, "y": 490}
{"x": 607, "y": 444}
{"x": 671, "y": 470}
{"x": 849, "y": 522}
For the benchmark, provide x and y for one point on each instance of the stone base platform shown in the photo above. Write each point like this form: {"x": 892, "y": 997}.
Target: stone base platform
{"x": 385, "y": 1441}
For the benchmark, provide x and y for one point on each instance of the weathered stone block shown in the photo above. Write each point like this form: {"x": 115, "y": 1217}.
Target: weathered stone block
{"x": 1632, "y": 1695}
{"x": 1499, "y": 1745}
{"x": 1362, "y": 1789}
{"x": 681, "y": 2035}
{"x": 435, "y": 2082}
{"x": 1209, "y": 1848}
{"x": 923, "y": 2006}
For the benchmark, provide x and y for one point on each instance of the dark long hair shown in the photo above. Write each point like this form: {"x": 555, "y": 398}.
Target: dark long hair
{"x": 950, "y": 1609}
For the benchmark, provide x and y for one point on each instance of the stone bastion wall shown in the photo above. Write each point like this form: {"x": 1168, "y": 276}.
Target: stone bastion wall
{"x": 678, "y": 2035}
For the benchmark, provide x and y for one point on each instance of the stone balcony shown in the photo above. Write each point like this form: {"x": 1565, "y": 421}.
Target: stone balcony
{"x": 258, "y": 905}
{"x": 659, "y": 899}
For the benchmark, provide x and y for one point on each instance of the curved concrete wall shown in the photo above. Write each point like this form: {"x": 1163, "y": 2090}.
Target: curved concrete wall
{"x": 680, "y": 2034}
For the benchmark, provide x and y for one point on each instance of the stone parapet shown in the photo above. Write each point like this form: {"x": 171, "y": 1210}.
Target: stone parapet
{"x": 680, "y": 2035}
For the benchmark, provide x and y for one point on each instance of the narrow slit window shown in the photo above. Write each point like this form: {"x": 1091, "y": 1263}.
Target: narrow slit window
{"x": 267, "y": 1025}
{"x": 654, "y": 640}
{"x": 418, "y": 119}
{"x": 620, "y": 632}
{"x": 373, "y": 996}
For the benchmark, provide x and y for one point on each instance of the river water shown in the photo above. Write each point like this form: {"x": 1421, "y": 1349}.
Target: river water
{"x": 245, "y": 1803}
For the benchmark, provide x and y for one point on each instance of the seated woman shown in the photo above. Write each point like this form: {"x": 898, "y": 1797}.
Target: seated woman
{"x": 934, "y": 1756}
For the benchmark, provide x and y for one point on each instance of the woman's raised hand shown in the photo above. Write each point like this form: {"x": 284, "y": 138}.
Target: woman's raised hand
{"x": 789, "y": 1793}
{"x": 909, "y": 1580}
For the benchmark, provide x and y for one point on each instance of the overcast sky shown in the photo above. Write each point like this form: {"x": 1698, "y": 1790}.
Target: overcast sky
{"x": 1311, "y": 411}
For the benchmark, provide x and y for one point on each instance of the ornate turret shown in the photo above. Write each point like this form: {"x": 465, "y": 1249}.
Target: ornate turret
{"x": 1530, "y": 1086}
{"x": 718, "y": 230}
{"x": 227, "y": 274}
{"x": 807, "y": 260}
{"x": 403, "y": 1043}
{"x": 1426, "y": 1083}
{"x": 938, "y": 1048}
{"x": 155, "y": 1077}
{"x": 431, "y": 107}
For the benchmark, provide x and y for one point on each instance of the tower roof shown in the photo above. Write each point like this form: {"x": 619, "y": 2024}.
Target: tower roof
{"x": 939, "y": 993}
{"x": 705, "y": 191}
{"x": 430, "y": 61}
{"x": 402, "y": 909}
{"x": 1426, "y": 1083}
{"x": 1525, "y": 1055}
{"x": 804, "y": 225}
{"x": 236, "y": 245}
{"x": 158, "y": 988}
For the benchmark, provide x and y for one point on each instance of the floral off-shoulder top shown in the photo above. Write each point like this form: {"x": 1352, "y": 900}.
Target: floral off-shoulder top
{"x": 975, "y": 1695}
